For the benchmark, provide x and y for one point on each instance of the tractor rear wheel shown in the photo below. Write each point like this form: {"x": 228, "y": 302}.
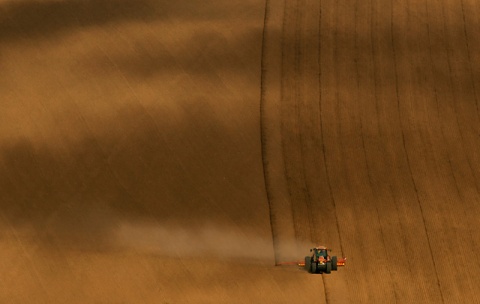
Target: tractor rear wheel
{"x": 328, "y": 267}
{"x": 334, "y": 262}
{"x": 308, "y": 263}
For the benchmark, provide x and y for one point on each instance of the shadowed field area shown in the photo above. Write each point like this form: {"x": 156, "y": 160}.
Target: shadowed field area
{"x": 173, "y": 152}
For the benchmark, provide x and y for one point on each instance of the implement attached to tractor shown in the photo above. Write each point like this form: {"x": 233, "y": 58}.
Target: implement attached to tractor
{"x": 320, "y": 261}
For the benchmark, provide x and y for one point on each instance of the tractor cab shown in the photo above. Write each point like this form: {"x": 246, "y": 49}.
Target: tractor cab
{"x": 320, "y": 253}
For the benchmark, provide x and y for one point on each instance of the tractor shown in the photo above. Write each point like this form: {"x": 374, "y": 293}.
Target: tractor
{"x": 321, "y": 261}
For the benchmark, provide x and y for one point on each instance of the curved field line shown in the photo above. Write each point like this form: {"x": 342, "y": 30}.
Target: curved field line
{"x": 280, "y": 208}
{"x": 262, "y": 127}
{"x": 286, "y": 182}
{"x": 449, "y": 155}
{"x": 389, "y": 152}
{"x": 408, "y": 159}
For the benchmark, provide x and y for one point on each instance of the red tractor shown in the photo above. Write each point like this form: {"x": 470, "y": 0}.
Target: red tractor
{"x": 321, "y": 261}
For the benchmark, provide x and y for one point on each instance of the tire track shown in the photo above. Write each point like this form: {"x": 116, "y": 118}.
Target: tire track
{"x": 322, "y": 128}
{"x": 307, "y": 62}
{"x": 263, "y": 138}
{"x": 291, "y": 129}
{"x": 435, "y": 92}
{"x": 461, "y": 86}
{"x": 474, "y": 204}
{"x": 389, "y": 161}
{"x": 457, "y": 181}
{"x": 392, "y": 192}
{"x": 300, "y": 52}
{"x": 280, "y": 206}
{"x": 322, "y": 135}
{"x": 470, "y": 62}
{"x": 285, "y": 42}
{"x": 364, "y": 149}
{"x": 352, "y": 191}
{"x": 469, "y": 57}
{"x": 405, "y": 152}
{"x": 295, "y": 120}
{"x": 435, "y": 182}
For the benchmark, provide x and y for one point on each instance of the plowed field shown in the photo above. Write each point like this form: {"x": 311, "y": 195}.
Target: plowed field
{"x": 175, "y": 151}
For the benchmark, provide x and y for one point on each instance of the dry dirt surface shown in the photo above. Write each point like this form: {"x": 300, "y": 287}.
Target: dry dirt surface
{"x": 156, "y": 151}
{"x": 371, "y": 141}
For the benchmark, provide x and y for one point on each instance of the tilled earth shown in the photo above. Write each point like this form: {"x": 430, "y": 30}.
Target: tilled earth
{"x": 175, "y": 151}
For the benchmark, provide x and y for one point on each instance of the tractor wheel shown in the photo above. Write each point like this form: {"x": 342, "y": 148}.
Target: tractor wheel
{"x": 334, "y": 263}
{"x": 328, "y": 267}
{"x": 314, "y": 267}
{"x": 308, "y": 263}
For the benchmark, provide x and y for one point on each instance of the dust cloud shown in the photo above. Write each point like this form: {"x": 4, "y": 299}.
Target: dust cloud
{"x": 211, "y": 241}
{"x": 192, "y": 241}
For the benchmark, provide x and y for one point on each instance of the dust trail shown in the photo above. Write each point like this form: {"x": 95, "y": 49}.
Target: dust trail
{"x": 209, "y": 240}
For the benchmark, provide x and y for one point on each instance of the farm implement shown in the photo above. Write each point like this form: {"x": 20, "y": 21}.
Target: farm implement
{"x": 320, "y": 261}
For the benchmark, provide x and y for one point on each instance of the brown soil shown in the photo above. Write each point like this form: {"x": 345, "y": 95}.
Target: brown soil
{"x": 174, "y": 151}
